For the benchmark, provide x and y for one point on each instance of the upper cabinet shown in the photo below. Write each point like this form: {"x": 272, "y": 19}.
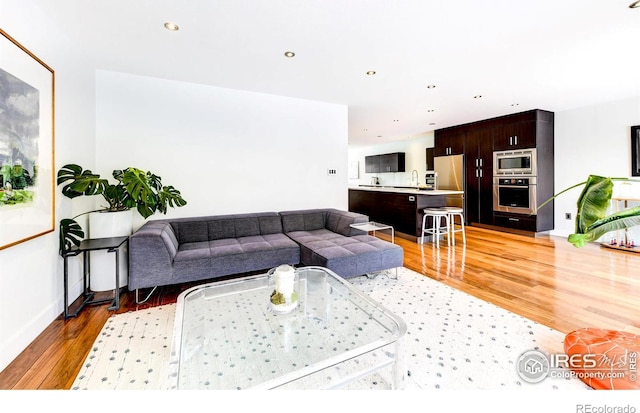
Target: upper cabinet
{"x": 449, "y": 141}
{"x": 390, "y": 162}
{"x": 372, "y": 164}
{"x": 523, "y": 130}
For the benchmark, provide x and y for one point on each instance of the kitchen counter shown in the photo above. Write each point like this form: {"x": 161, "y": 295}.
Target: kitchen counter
{"x": 400, "y": 207}
{"x": 407, "y": 190}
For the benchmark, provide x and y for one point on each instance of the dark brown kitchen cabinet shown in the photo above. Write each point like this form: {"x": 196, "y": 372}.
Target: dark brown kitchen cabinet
{"x": 479, "y": 176}
{"x": 372, "y": 164}
{"x": 516, "y": 221}
{"x": 392, "y": 162}
{"x": 479, "y": 140}
{"x": 389, "y": 162}
{"x": 403, "y": 211}
{"x": 523, "y": 130}
{"x": 449, "y": 141}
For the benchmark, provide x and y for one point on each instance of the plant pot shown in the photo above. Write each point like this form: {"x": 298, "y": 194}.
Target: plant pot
{"x": 104, "y": 225}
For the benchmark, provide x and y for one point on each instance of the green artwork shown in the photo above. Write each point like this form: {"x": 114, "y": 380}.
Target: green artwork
{"x": 19, "y": 132}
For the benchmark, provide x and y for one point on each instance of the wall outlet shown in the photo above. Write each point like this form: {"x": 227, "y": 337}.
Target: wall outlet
{"x": 332, "y": 171}
{"x": 567, "y": 215}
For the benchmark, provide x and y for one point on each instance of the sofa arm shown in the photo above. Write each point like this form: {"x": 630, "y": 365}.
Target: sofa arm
{"x": 339, "y": 222}
{"x": 152, "y": 249}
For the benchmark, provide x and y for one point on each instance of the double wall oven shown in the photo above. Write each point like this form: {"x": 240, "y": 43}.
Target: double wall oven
{"x": 515, "y": 181}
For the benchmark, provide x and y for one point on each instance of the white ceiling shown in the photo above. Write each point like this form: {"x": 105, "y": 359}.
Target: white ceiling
{"x": 547, "y": 54}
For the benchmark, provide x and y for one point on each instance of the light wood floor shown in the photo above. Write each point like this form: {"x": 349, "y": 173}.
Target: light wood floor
{"x": 545, "y": 279}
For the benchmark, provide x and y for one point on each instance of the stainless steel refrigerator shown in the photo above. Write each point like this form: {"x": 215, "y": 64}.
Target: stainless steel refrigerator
{"x": 451, "y": 175}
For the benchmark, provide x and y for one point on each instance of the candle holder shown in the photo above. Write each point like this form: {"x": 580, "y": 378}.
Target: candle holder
{"x": 283, "y": 284}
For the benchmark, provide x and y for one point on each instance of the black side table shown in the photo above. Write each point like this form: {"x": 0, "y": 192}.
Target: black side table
{"x": 111, "y": 245}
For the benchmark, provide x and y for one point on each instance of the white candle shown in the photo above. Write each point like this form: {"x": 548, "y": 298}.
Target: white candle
{"x": 285, "y": 275}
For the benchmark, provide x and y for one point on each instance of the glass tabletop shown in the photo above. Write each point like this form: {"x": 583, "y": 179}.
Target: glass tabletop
{"x": 371, "y": 226}
{"x": 227, "y": 335}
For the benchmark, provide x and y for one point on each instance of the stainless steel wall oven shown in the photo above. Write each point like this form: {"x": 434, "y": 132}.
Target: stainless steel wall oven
{"x": 516, "y": 195}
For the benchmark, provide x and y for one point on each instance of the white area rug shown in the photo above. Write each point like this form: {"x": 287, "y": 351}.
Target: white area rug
{"x": 454, "y": 341}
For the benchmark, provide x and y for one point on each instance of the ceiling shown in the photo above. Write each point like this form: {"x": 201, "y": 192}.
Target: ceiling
{"x": 517, "y": 55}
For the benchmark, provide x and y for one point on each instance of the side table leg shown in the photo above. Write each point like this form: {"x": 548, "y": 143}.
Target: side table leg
{"x": 116, "y": 292}
{"x": 66, "y": 288}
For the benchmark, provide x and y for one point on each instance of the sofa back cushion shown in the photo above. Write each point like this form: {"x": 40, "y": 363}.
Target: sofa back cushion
{"x": 303, "y": 220}
{"x": 226, "y": 226}
{"x": 340, "y": 221}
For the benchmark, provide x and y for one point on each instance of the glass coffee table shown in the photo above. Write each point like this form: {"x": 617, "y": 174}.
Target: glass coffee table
{"x": 226, "y": 336}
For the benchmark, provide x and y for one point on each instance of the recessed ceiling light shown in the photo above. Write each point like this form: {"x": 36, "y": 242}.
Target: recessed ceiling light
{"x": 371, "y": 72}
{"x": 171, "y": 26}
{"x": 430, "y": 110}
{"x": 477, "y": 96}
{"x": 289, "y": 54}
{"x": 515, "y": 104}
{"x": 635, "y": 4}
{"x": 396, "y": 120}
{"x": 430, "y": 86}
{"x": 365, "y": 129}
{"x": 432, "y": 123}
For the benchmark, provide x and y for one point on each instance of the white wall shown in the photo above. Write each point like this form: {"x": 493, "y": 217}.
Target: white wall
{"x": 415, "y": 158}
{"x": 227, "y": 151}
{"x": 31, "y": 282}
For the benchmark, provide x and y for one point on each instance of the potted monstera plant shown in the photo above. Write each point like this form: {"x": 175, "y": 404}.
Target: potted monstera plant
{"x": 592, "y": 221}
{"x": 133, "y": 189}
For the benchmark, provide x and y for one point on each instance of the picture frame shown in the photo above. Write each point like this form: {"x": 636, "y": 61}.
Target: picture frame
{"x": 27, "y": 107}
{"x": 635, "y": 150}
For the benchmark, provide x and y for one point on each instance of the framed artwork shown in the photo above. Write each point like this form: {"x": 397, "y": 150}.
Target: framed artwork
{"x": 635, "y": 150}
{"x": 27, "y": 189}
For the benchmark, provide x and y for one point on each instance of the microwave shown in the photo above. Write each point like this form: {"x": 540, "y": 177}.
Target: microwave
{"x": 521, "y": 162}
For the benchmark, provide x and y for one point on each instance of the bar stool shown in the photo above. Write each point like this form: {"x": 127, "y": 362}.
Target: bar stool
{"x": 453, "y": 213}
{"x": 437, "y": 215}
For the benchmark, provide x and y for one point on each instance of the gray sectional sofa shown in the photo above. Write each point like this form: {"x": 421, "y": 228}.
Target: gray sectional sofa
{"x": 173, "y": 251}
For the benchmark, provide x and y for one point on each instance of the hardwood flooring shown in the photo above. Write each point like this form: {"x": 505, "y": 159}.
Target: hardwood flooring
{"x": 545, "y": 279}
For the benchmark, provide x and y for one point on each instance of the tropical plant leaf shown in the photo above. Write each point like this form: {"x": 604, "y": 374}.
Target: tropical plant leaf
{"x": 170, "y": 197}
{"x": 593, "y": 202}
{"x": 71, "y": 233}
{"x": 619, "y": 221}
{"x": 83, "y": 182}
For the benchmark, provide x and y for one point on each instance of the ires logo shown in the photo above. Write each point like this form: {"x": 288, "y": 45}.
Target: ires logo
{"x": 575, "y": 361}
{"x": 533, "y": 366}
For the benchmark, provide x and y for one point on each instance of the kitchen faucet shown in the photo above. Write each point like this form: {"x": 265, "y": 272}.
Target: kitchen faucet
{"x": 416, "y": 173}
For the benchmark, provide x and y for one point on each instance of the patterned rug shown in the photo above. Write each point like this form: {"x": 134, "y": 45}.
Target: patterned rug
{"x": 454, "y": 341}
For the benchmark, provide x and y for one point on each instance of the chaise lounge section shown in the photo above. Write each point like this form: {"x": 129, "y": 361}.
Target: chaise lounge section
{"x": 326, "y": 239}
{"x": 174, "y": 251}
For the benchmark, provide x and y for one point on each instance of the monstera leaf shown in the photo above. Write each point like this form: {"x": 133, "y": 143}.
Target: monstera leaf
{"x": 83, "y": 182}
{"x": 71, "y": 234}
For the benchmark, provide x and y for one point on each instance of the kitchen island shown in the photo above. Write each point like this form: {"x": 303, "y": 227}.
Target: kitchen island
{"x": 400, "y": 207}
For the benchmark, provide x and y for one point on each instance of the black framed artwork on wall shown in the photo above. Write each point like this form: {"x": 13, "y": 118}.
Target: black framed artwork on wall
{"x": 635, "y": 150}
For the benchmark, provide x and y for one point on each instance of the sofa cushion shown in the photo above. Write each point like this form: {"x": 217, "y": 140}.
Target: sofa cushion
{"x": 221, "y": 229}
{"x": 347, "y": 256}
{"x": 340, "y": 221}
{"x": 246, "y": 226}
{"x": 190, "y": 231}
{"x": 303, "y": 220}
{"x": 234, "y": 255}
{"x": 270, "y": 224}
{"x": 226, "y": 226}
